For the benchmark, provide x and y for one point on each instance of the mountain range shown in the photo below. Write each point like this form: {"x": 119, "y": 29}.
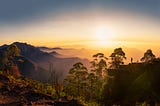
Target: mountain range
{"x": 36, "y": 62}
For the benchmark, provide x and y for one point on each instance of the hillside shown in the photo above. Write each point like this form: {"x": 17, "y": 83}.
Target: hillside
{"x": 27, "y": 92}
{"x": 36, "y": 63}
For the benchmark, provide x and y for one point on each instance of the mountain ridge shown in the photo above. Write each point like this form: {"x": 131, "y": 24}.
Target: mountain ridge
{"x": 37, "y": 62}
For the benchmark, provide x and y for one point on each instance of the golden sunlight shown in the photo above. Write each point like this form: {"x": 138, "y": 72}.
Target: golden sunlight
{"x": 103, "y": 34}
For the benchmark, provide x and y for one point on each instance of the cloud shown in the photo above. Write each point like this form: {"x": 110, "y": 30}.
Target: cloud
{"x": 22, "y": 10}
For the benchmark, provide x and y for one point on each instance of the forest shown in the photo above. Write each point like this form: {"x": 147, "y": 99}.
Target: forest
{"x": 108, "y": 82}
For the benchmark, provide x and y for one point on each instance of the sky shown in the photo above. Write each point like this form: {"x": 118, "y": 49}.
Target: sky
{"x": 81, "y": 23}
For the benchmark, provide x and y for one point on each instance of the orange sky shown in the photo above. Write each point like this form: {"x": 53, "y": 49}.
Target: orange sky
{"x": 82, "y": 24}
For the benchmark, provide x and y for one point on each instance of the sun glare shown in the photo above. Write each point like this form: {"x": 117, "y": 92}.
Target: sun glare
{"x": 103, "y": 34}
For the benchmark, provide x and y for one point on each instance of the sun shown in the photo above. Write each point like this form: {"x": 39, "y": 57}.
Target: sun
{"x": 103, "y": 34}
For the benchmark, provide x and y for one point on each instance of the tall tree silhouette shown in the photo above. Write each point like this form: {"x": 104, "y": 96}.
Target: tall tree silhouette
{"x": 76, "y": 80}
{"x": 13, "y": 52}
{"x": 92, "y": 85}
{"x": 117, "y": 58}
{"x": 148, "y": 56}
{"x": 99, "y": 65}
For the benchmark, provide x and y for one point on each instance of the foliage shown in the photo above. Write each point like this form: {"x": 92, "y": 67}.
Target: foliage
{"x": 136, "y": 82}
{"x": 99, "y": 65}
{"x": 7, "y": 60}
{"x": 148, "y": 56}
{"x": 122, "y": 85}
{"x": 117, "y": 58}
{"x": 84, "y": 84}
{"x": 13, "y": 51}
{"x": 76, "y": 81}
{"x": 30, "y": 84}
{"x": 117, "y": 85}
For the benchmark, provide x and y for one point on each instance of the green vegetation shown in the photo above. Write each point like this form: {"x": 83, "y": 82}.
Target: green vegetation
{"x": 117, "y": 84}
{"x": 117, "y": 58}
{"x": 148, "y": 56}
{"x": 23, "y": 91}
{"x": 14, "y": 86}
{"x": 8, "y": 63}
{"x": 108, "y": 82}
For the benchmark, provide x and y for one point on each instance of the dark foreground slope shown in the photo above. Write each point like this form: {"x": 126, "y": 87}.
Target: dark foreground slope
{"x": 27, "y": 92}
{"x": 133, "y": 83}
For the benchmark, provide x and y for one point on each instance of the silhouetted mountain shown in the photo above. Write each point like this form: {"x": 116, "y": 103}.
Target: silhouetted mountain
{"x": 51, "y": 51}
{"x": 57, "y": 48}
{"x": 43, "y": 47}
{"x": 36, "y": 63}
{"x": 54, "y": 53}
{"x": 3, "y": 46}
{"x": 32, "y": 52}
{"x": 47, "y": 48}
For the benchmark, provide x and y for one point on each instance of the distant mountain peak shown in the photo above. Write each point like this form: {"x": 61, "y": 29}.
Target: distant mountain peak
{"x": 48, "y": 48}
{"x": 3, "y": 46}
{"x": 23, "y": 44}
{"x": 31, "y": 51}
{"x": 57, "y": 48}
{"x": 36, "y": 62}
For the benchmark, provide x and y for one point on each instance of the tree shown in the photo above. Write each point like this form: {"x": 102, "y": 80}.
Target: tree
{"x": 99, "y": 65}
{"x": 92, "y": 85}
{"x": 13, "y": 51}
{"x": 8, "y": 60}
{"x": 113, "y": 86}
{"x": 117, "y": 58}
{"x": 76, "y": 80}
{"x": 99, "y": 68}
{"x": 148, "y": 56}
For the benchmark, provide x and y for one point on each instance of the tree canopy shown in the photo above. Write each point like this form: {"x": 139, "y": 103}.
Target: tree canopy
{"x": 117, "y": 58}
{"x": 148, "y": 56}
